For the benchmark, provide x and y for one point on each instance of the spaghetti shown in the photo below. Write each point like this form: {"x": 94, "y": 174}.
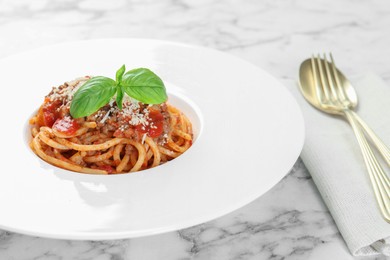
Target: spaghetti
{"x": 111, "y": 140}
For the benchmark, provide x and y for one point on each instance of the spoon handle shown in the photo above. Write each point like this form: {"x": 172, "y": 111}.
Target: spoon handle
{"x": 382, "y": 148}
{"x": 379, "y": 180}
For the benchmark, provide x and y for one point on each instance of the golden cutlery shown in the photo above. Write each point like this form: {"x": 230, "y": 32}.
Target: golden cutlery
{"x": 348, "y": 94}
{"x": 327, "y": 89}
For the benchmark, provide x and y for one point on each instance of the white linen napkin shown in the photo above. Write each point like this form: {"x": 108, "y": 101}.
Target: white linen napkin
{"x": 333, "y": 158}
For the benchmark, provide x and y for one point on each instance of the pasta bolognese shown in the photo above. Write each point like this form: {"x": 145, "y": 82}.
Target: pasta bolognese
{"x": 117, "y": 138}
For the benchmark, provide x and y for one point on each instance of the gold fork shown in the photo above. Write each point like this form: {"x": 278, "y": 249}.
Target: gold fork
{"x": 324, "y": 87}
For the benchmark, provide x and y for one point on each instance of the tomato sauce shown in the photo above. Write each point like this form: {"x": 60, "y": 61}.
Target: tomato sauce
{"x": 66, "y": 125}
{"x": 156, "y": 124}
{"x": 48, "y": 113}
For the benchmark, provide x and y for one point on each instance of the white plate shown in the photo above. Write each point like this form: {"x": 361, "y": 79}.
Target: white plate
{"x": 249, "y": 132}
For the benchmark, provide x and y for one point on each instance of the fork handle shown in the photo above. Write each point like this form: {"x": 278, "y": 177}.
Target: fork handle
{"x": 379, "y": 180}
{"x": 380, "y": 145}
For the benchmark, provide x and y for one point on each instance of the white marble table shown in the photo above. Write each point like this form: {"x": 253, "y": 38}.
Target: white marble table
{"x": 290, "y": 221}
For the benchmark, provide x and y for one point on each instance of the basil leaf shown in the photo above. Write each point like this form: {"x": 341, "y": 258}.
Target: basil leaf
{"x": 119, "y": 96}
{"x": 145, "y": 86}
{"x": 119, "y": 74}
{"x": 94, "y": 94}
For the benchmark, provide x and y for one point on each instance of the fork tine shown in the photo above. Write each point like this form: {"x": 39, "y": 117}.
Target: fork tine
{"x": 323, "y": 80}
{"x": 331, "y": 80}
{"x": 316, "y": 78}
{"x": 337, "y": 79}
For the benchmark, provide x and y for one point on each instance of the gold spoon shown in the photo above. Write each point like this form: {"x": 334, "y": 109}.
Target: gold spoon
{"x": 327, "y": 89}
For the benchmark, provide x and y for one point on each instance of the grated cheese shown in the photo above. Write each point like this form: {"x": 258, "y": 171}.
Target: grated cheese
{"x": 143, "y": 138}
{"x": 105, "y": 117}
{"x": 133, "y": 111}
{"x": 68, "y": 91}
